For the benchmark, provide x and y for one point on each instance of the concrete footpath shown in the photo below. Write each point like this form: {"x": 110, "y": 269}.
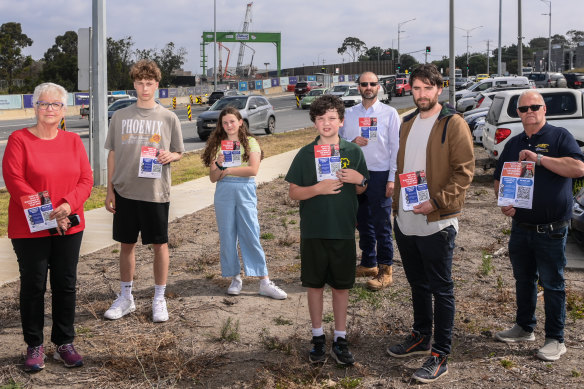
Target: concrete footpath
{"x": 185, "y": 199}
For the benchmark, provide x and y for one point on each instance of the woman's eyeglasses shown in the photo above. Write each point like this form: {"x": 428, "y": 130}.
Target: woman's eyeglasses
{"x": 44, "y": 106}
{"x": 534, "y": 108}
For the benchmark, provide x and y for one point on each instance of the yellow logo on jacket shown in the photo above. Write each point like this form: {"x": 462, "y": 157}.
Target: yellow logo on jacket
{"x": 542, "y": 147}
{"x": 345, "y": 163}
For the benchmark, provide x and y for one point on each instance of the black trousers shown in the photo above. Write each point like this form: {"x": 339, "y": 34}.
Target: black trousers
{"x": 36, "y": 256}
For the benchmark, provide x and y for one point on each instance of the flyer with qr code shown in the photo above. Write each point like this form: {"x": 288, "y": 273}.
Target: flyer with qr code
{"x": 149, "y": 165}
{"x": 368, "y": 128}
{"x": 414, "y": 189}
{"x": 232, "y": 152}
{"x": 516, "y": 184}
{"x": 37, "y": 208}
{"x": 328, "y": 161}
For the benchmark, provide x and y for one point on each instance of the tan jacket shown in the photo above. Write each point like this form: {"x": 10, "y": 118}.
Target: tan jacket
{"x": 449, "y": 163}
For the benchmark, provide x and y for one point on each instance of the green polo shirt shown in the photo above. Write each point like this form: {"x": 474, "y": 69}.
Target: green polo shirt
{"x": 327, "y": 216}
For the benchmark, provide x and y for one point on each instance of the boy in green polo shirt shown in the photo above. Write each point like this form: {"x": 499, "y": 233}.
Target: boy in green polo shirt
{"x": 326, "y": 176}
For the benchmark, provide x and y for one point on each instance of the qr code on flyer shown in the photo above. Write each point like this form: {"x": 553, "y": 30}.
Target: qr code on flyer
{"x": 523, "y": 192}
{"x": 423, "y": 195}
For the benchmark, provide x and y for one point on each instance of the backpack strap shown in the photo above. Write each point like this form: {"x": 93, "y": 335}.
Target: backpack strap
{"x": 444, "y": 130}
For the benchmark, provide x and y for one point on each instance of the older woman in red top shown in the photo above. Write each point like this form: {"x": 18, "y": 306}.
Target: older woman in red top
{"x": 45, "y": 161}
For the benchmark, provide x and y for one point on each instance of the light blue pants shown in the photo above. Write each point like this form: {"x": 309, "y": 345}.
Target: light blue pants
{"x": 237, "y": 219}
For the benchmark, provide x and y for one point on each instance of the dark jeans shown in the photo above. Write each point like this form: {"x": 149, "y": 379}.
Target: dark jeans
{"x": 539, "y": 256}
{"x": 374, "y": 222}
{"x": 36, "y": 256}
{"x": 427, "y": 262}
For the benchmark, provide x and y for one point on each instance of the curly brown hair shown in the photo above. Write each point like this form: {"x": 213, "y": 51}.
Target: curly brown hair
{"x": 214, "y": 142}
{"x": 145, "y": 69}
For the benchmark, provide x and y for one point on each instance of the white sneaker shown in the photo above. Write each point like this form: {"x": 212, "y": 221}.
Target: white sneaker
{"x": 552, "y": 350}
{"x": 120, "y": 307}
{"x": 514, "y": 335}
{"x": 271, "y": 290}
{"x": 235, "y": 287}
{"x": 159, "y": 311}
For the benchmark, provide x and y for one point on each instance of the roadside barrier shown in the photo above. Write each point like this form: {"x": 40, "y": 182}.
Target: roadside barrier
{"x": 62, "y": 124}
{"x": 174, "y": 103}
{"x": 297, "y": 101}
{"x": 191, "y": 97}
{"x": 189, "y": 113}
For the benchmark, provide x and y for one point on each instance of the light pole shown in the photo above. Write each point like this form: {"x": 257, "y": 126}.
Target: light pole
{"x": 215, "y": 45}
{"x": 467, "y": 36}
{"x": 399, "y": 30}
{"x": 266, "y": 63}
{"x": 549, "y": 67}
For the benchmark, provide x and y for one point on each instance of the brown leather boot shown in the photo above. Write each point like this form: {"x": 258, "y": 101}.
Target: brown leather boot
{"x": 383, "y": 278}
{"x": 363, "y": 271}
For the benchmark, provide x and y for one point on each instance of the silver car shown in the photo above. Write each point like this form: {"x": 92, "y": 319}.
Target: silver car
{"x": 256, "y": 111}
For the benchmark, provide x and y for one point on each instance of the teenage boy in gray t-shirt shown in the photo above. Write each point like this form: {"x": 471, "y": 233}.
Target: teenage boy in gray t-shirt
{"x": 143, "y": 140}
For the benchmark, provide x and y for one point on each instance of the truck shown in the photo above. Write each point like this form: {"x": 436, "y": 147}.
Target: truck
{"x": 564, "y": 109}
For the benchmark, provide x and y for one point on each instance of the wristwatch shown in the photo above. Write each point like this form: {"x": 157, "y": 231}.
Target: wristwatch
{"x": 364, "y": 182}
{"x": 539, "y": 157}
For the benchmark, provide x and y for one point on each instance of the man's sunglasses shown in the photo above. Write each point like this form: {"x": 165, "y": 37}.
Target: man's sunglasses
{"x": 534, "y": 108}
{"x": 365, "y": 84}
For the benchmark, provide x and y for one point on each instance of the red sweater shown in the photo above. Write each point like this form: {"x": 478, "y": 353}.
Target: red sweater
{"x": 59, "y": 166}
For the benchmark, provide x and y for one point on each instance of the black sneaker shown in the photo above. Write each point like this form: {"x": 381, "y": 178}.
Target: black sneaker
{"x": 414, "y": 344}
{"x": 435, "y": 367}
{"x": 340, "y": 351}
{"x": 318, "y": 353}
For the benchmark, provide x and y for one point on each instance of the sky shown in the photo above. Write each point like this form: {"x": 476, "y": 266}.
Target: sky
{"x": 312, "y": 31}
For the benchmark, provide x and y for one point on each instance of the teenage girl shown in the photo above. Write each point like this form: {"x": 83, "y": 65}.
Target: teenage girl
{"x": 236, "y": 204}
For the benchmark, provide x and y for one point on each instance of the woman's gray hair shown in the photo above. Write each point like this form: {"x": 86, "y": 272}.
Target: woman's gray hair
{"x": 49, "y": 87}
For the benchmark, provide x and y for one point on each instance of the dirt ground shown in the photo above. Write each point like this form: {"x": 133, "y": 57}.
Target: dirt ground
{"x": 213, "y": 340}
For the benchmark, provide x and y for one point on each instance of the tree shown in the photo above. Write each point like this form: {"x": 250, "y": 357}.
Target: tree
{"x": 353, "y": 46}
{"x": 407, "y": 62}
{"x": 576, "y": 37}
{"x": 119, "y": 61}
{"x": 12, "y": 41}
{"x": 538, "y": 44}
{"x": 558, "y": 39}
{"x": 168, "y": 60}
{"x": 61, "y": 61}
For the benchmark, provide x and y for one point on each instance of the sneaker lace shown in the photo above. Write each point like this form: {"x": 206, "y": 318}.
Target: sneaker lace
{"x": 66, "y": 348}
{"x": 35, "y": 352}
{"x": 430, "y": 364}
{"x": 118, "y": 302}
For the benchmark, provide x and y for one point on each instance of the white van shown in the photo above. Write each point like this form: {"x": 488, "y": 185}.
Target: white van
{"x": 487, "y": 83}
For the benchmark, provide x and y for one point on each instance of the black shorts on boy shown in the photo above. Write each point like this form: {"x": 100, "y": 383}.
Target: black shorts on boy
{"x": 147, "y": 218}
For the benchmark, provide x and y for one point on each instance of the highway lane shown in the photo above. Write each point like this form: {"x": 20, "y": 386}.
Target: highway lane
{"x": 288, "y": 118}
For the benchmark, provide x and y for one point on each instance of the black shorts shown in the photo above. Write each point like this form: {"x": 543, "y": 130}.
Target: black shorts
{"x": 328, "y": 261}
{"x": 145, "y": 217}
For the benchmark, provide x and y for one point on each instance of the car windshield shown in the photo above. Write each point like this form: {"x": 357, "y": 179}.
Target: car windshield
{"x": 120, "y": 104}
{"x": 315, "y": 92}
{"x": 340, "y": 88}
{"x": 301, "y": 85}
{"x": 237, "y": 102}
{"x": 353, "y": 92}
{"x": 400, "y": 81}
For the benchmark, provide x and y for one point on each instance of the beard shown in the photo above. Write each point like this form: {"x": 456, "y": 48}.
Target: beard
{"x": 368, "y": 95}
{"x": 425, "y": 104}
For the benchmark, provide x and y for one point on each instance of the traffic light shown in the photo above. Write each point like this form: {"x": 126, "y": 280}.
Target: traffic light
{"x": 428, "y": 49}
{"x": 398, "y": 67}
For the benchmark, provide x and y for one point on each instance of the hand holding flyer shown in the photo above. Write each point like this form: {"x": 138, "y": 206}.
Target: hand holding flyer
{"x": 414, "y": 189}
{"x": 516, "y": 185}
{"x": 149, "y": 165}
{"x": 37, "y": 208}
{"x": 368, "y": 128}
{"x": 232, "y": 152}
{"x": 328, "y": 161}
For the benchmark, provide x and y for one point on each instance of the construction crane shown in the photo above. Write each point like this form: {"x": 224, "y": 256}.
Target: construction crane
{"x": 220, "y": 59}
{"x": 246, "y": 22}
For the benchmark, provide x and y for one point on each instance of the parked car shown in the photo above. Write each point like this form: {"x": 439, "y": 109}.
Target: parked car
{"x": 460, "y": 83}
{"x": 564, "y": 109}
{"x": 256, "y": 111}
{"x": 402, "y": 87}
{"x": 352, "y": 97}
{"x": 119, "y": 104}
{"x": 303, "y": 87}
{"x": 311, "y": 96}
{"x": 577, "y": 222}
{"x": 484, "y": 98}
{"x": 481, "y": 77}
{"x": 84, "y": 111}
{"x": 574, "y": 80}
{"x": 548, "y": 80}
{"x": 218, "y": 94}
{"x": 338, "y": 90}
{"x": 489, "y": 83}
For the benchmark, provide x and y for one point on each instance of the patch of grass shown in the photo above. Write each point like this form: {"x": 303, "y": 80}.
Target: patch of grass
{"x": 274, "y": 343}
{"x": 115, "y": 251}
{"x": 280, "y": 321}
{"x": 349, "y": 382}
{"x": 574, "y": 305}
{"x": 292, "y": 212}
{"x": 229, "y": 331}
{"x": 11, "y": 385}
{"x": 292, "y": 222}
{"x": 362, "y": 294}
{"x": 86, "y": 331}
{"x": 576, "y": 373}
{"x": 506, "y": 363}
{"x": 506, "y": 231}
{"x": 328, "y": 318}
{"x": 486, "y": 264}
{"x": 267, "y": 235}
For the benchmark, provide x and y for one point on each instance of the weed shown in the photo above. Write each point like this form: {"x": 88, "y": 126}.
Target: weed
{"x": 349, "y": 382}
{"x": 209, "y": 276}
{"x": 280, "y": 321}
{"x": 486, "y": 264}
{"x": 506, "y": 363}
{"x": 328, "y": 318}
{"x": 480, "y": 192}
{"x": 574, "y": 305}
{"x": 576, "y": 373}
{"x": 115, "y": 251}
{"x": 229, "y": 331}
{"x": 506, "y": 231}
{"x": 11, "y": 384}
{"x": 267, "y": 235}
{"x": 292, "y": 211}
{"x": 292, "y": 222}
{"x": 273, "y": 342}
{"x": 359, "y": 293}
{"x": 284, "y": 222}
{"x": 83, "y": 331}
{"x": 503, "y": 294}
{"x": 491, "y": 354}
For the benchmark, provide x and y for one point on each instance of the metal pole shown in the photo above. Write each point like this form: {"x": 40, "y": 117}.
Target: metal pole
{"x": 550, "y": 41}
{"x": 215, "y": 44}
{"x": 451, "y": 76}
{"x": 398, "y": 33}
{"x": 519, "y": 41}
{"x": 488, "y": 59}
{"x": 99, "y": 88}
{"x": 499, "y": 63}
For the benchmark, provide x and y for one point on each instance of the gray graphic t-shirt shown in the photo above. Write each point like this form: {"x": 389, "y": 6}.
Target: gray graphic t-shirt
{"x": 132, "y": 128}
